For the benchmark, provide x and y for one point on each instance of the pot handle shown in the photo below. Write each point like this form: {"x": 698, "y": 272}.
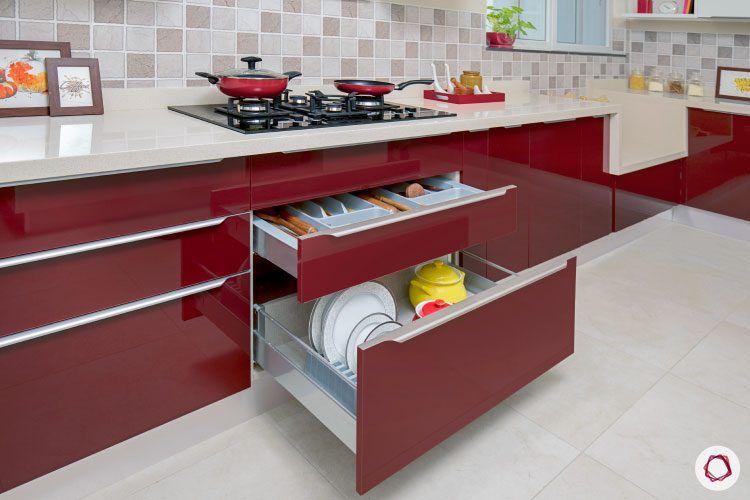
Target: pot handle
{"x": 211, "y": 78}
{"x": 293, "y": 74}
{"x": 251, "y": 61}
{"x": 402, "y": 86}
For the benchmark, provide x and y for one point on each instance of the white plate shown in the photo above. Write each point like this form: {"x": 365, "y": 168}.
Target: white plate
{"x": 372, "y": 334}
{"x": 348, "y": 309}
{"x": 360, "y": 334}
{"x": 315, "y": 328}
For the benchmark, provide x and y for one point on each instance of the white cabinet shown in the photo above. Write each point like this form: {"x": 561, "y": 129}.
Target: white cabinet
{"x": 723, "y": 8}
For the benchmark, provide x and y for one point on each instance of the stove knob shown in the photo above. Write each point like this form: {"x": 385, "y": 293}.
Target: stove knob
{"x": 388, "y": 115}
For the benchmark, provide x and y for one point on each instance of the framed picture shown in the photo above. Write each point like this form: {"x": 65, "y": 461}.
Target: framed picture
{"x": 733, "y": 83}
{"x": 23, "y": 76}
{"x": 75, "y": 87}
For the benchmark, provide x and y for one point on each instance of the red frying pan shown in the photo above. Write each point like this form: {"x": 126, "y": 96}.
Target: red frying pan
{"x": 371, "y": 87}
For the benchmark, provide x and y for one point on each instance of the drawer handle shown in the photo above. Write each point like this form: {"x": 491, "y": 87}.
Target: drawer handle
{"x": 413, "y": 214}
{"x": 516, "y": 283}
{"x": 86, "y": 319}
{"x": 106, "y": 243}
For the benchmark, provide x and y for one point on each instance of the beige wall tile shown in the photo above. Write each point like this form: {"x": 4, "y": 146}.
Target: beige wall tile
{"x": 140, "y": 13}
{"x": 109, "y": 11}
{"x": 270, "y": 22}
{"x": 140, "y": 65}
{"x": 36, "y": 31}
{"x": 168, "y": 40}
{"x": 8, "y": 30}
{"x": 292, "y": 6}
{"x": 109, "y": 37}
{"x": 140, "y": 39}
{"x": 198, "y": 41}
{"x": 77, "y": 34}
{"x": 247, "y": 43}
{"x": 197, "y": 16}
{"x": 36, "y": 9}
{"x": 169, "y": 14}
{"x": 169, "y": 66}
{"x": 111, "y": 64}
{"x": 74, "y": 10}
{"x": 223, "y": 18}
{"x": 7, "y": 8}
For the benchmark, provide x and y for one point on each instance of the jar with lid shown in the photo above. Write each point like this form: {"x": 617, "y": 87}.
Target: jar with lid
{"x": 695, "y": 85}
{"x": 675, "y": 83}
{"x": 637, "y": 80}
{"x": 470, "y": 79}
{"x": 656, "y": 81}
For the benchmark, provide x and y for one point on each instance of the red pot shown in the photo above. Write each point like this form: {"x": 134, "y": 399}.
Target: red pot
{"x": 251, "y": 83}
{"x": 503, "y": 40}
{"x": 371, "y": 87}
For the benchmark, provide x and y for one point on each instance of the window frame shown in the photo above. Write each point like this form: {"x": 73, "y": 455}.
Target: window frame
{"x": 552, "y": 45}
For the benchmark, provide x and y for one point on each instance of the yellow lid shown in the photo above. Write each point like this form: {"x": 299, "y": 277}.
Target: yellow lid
{"x": 439, "y": 273}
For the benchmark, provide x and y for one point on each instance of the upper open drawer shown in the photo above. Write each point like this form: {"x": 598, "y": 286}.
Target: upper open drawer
{"x": 356, "y": 240}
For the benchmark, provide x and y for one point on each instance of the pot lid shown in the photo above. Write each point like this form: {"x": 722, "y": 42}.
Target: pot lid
{"x": 431, "y": 307}
{"x": 438, "y": 273}
{"x": 251, "y": 72}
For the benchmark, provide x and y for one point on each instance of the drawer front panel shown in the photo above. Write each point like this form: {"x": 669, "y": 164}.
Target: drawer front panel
{"x": 73, "y": 393}
{"x": 279, "y": 179}
{"x": 440, "y": 380}
{"x": 38, "y": 293}
{"x": 331, "y": 262}
{"x": 39, "y": 217}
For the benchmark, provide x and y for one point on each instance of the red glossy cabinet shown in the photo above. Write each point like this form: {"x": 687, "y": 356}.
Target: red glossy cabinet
{"x": 280, "y": 179}
{"x": 717, "y": 171}
{"x": 73, "y": 393}
{"x": 415, "y": 392}
{"x": 39, "y": 217}
{"x": 37, "y": 293}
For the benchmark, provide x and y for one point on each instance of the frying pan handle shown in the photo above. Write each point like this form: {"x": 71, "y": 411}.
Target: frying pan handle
{"x": 402, "y": 86}
{"x": 293, "y": 74}
{"x": 211, "y": 78}
{"x": 251, "y": 61}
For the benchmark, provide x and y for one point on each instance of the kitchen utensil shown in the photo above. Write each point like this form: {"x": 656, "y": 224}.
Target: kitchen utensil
{"x": 307, "y": 228}
{"x": 250, "y": 83}
{"x": 436, "y": 84}
{"x": 437, "y": 280}
{"x": 397, "y": 205}
{"x": 430, "y": 307}
{"x": 315, "y": 327}
{"x": 477, "y": 90}
{"x": 460, "y": 88}
{"x": 348, "y": 309}
{"x": 281, "y": 222}
{"x": 414, "y": 190}
{"x": 451, "y": 87}
{"x": 359, "y": 335}
{"x": 375, "y": 88}
{"x": 486, "y": 90}
{"x": 376, "y": 202}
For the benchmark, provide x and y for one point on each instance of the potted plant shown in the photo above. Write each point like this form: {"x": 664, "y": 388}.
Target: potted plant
{"x": 506, "y": 25}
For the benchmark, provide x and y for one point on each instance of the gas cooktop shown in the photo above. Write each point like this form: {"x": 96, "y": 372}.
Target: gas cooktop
{"x": 304, "y": 111}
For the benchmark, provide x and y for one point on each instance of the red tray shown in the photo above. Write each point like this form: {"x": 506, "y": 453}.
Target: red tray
{"x": 464, "y": 99}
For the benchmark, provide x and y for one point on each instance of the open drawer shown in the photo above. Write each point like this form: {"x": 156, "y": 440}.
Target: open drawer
{"x": 357, "y": 241}
{"x": 419, "y": 384}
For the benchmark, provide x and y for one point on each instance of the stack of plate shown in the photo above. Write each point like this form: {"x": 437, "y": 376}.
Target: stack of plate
{"x": 342, "y": 321}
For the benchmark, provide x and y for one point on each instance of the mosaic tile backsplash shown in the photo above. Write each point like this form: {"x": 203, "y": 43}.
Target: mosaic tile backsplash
{"x": 146, "y": 43}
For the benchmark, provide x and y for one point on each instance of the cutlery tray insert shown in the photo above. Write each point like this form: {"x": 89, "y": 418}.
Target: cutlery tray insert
{"x": 283, "y": 325}
{"x": 337, "y": 211}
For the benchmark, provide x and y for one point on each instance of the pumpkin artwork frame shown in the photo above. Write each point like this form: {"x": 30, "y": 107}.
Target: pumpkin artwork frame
{"x": 23, "y": 77}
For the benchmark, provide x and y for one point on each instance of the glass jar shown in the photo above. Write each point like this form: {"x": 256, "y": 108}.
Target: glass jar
{"x": 656, "y": 81}
{"x": 637, "y": 80}
{"x": 695, "y": 85}
{"x": 675, "y": 83}
{"x": 470, "y": 79}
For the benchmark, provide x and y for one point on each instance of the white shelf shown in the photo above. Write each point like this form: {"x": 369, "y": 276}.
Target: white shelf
{"x": 682, "y": 17}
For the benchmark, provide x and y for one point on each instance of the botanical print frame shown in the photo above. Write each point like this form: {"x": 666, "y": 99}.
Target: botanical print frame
{"x": 733, "y": 83}
{"x": 75, "y": 87}
{"x": 23, "y": 77}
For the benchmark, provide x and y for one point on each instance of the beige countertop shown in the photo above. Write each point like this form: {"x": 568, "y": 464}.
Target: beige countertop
{"x": 131, "y": 135}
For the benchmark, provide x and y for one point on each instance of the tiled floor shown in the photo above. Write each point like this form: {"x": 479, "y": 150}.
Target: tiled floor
{"x": 661, "y": 371}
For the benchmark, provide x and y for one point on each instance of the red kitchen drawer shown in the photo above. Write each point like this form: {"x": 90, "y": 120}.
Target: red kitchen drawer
{"x": 142, "y": 265}
{"x": 73, "y": 393}
{"x": 334, "y": 259}
{"x": 39, "y": 217}
{"x": 279, "y": 179}
{"x": 421, "y": 383}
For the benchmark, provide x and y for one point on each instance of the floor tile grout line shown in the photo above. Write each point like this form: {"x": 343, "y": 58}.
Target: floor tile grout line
{"x": 710, "y": 391}
{"x": 558, "y": 474}
{"x": 617, "y": 474}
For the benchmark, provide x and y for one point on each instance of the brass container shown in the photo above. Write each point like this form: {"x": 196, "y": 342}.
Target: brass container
{"x": 471, "y": 78}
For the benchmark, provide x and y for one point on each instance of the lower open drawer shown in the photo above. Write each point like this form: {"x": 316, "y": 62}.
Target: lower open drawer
{"x": 436, "y": 374}
{"x": 356, "y": 240}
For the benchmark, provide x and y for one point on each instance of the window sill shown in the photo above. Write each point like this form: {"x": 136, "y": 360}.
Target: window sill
{"x": 565, "y": 52}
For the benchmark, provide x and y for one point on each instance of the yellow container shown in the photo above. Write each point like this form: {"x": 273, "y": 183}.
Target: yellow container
{"x": 471, "y": 78}
{"x": 437, "y": 281}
